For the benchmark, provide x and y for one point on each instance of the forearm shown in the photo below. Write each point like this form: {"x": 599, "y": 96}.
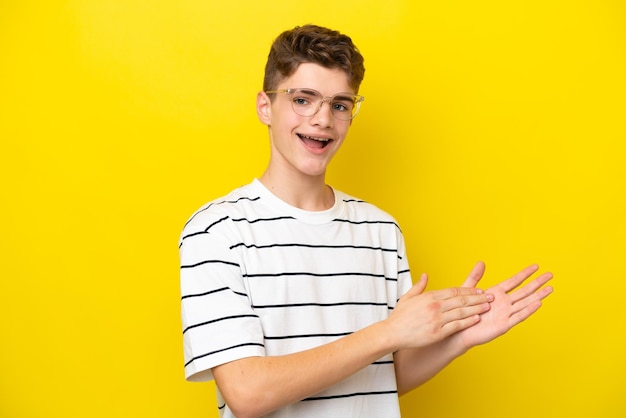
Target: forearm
{"x": 258, "y": 385}
{"x": 416, "y": 366}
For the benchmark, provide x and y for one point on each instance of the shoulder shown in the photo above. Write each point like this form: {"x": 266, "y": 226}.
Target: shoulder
{"x": 232, "y": 205}
{"x": 360, "y": 210}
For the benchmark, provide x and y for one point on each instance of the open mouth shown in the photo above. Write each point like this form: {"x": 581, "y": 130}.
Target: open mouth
{"x": 314, "y": 142}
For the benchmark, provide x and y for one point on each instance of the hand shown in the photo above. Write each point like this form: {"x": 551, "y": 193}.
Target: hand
{"x": 511, "y": 305}
{"x": 421, "y": 319}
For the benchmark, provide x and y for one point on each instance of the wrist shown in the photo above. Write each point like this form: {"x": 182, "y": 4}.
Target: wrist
{"x": 389, "y": 335}
{"x": 456, "y": 344}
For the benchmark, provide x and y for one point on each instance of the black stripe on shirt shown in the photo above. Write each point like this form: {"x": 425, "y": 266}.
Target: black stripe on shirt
{"x": 205, "y": 231}
{"x": 289, "y": 337}
{"x": 221, "y": 202}
{"x": 304, "y": 273}
{"x": 366, "y": 222}
{"x": 193, "y": 295}
{"x": 252, "y": 221}
{"x": 297, "y": 305}
{"x": 358, "y": 247}
{"x": 225, "y": 318}
{"x": 188, "y": 266}
{"x": 349, "y": 395}
{"x": 222, "y": 289}
{"x": 295, "y": 273}
{"x": 221, "y": 350}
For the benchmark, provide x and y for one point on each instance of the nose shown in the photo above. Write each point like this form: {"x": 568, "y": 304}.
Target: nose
{"x": 323, "y": 117}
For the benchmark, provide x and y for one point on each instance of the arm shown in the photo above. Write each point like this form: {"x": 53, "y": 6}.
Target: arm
{"x": 257, "y": 385}
{"x": 511, "y": 306}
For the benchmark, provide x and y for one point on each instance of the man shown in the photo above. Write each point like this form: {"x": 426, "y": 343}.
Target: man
{"x": 297, "y": 298}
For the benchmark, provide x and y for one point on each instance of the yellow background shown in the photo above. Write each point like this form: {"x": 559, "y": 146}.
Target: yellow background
{"x": 492, "y": 130}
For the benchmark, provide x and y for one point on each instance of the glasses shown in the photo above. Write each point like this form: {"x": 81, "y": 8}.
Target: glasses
{"x": 307, "y": 102}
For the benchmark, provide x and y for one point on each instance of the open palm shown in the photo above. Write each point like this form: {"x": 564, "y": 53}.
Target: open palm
{"x": 511, "y": 305}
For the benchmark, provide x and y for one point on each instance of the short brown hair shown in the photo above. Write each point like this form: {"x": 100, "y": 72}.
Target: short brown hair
{"x": 312, "y": 44}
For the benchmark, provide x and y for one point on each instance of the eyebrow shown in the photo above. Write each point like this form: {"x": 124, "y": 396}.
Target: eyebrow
{"x": 338, "y": 96}
{"x": 346, "y": 97}
{"x": 310, "y": 91}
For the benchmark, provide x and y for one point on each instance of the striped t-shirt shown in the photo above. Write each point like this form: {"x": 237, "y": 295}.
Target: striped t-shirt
{"x": 260, "y": 277}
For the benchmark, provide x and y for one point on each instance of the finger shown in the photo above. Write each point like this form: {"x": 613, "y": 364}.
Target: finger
{"x": 531, "y": 287}
{"x": 544, "y": 292}
{"x": 465, "y": 312}
{"x": 417, "y": 288}
{"x": 475, "y": 275}
{"x": 518, "y": 278}
{"x": 525, "y": 307}
{"x": 532, "y": 298}
{"x": 524, "y": 313}
{"x": 453, "y": 292}
{"x": 462, "y": 301}
{"x": 456, "y": 326}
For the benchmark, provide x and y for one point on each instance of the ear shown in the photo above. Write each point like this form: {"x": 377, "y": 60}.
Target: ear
{"x": 264, "y": 108}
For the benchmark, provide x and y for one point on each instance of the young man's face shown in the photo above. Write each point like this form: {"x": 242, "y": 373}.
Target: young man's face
{"x": 304, "y": 145}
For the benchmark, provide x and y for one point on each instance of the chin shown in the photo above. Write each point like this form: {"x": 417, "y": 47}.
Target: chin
{"x": 314, "y": 169}
{"x": 313, "y": 172}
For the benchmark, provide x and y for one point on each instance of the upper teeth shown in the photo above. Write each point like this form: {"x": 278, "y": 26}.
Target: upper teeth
{"x": 316, "y": 139}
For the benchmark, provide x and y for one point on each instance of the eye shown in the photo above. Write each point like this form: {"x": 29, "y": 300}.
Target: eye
{"x": 300, "y": 101}
{"x": 342, "y": 105}
{"x": 304, "y": 98}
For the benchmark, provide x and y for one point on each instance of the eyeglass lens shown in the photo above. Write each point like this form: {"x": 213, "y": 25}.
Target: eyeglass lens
{"x": 306, "y": 102}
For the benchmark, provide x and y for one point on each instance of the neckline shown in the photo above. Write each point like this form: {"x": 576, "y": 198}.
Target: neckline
{"x": 306, "y": 216}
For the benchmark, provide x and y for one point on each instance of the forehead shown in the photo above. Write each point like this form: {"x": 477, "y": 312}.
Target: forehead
{"x": 327, "y": 81}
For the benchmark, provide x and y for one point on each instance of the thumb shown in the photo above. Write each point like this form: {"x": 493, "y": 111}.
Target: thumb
{"x": 475, "y": 275}
{"x": 418, "y": 287}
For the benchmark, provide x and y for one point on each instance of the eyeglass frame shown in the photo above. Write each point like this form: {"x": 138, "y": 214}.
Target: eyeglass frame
{"x": 357, "y": 99}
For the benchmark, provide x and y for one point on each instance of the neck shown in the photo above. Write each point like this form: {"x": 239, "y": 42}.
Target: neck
{"x": 303, "y": 192}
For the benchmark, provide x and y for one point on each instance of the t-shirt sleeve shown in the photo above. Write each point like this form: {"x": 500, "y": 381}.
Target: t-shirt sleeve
{"x": 219, "y": 324}
{"x": 405, "y": 281}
